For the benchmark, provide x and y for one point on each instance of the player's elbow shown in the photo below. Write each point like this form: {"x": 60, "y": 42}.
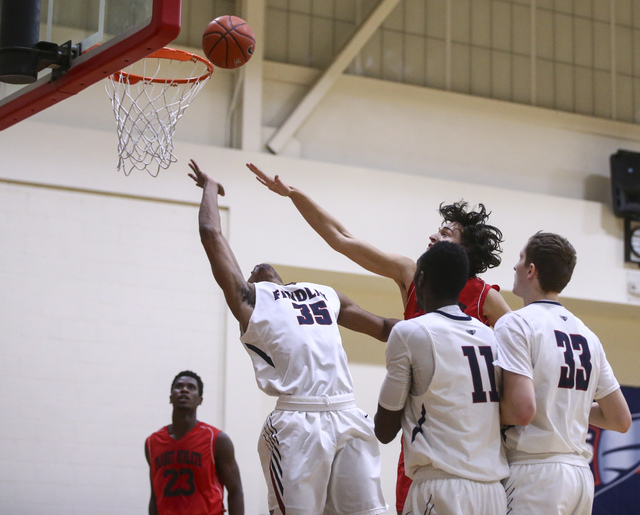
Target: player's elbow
{"x": 383, "y": 435}
{"x": 622, "y": 423}
{"x": 517, "y": 414}
{"x": 524, "y": 418}
{"x": 208, "y": 233}
{"x": 386, "y": 424}
{"x": 387, "y": 325}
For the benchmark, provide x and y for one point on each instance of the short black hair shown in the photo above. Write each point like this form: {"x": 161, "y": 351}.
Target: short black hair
{"x": 445, "y": 266}
{"x": 554, "y": 258}
{"x": 195, "y": 376}
{"x": 480, "y": 240}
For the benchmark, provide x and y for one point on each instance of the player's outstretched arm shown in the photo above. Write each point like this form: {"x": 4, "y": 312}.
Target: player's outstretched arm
{"x": 611, "y": 412}
{"x": 229, "y": 474}
{"x": 239, "y": 294}
{"x": 518, "y": 401}
{"x": 394, "y": 266}
{"x": 360, "y": 320}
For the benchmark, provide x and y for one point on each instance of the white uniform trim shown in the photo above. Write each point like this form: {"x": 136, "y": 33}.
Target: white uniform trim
{"x": 321, "y": 403}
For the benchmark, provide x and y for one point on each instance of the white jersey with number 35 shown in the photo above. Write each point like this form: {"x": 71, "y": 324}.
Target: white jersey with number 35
{"x": 548, "y": 344}
{"x": 294, "y": 341}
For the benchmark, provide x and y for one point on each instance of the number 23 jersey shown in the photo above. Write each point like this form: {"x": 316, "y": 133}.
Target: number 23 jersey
{"x": 294, "y": 341}
{"x": 569, "y": 369}
{"x": 183, "y": 472}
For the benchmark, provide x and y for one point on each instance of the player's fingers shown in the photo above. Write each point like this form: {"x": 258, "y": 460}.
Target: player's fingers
{"x": 257, "y": 171}
{"x": 253, "y": 168}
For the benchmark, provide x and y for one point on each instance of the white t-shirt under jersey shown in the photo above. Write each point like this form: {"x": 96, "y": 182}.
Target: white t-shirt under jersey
{"x": 548, "y": 344}
{"x": 294, "y": 341}
{"x": 440, "y": 372}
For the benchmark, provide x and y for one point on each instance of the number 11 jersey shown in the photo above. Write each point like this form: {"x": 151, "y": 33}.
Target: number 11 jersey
{"x": 440, "y": 372}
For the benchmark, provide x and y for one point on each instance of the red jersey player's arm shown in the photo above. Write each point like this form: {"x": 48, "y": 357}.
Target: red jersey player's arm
{"x": 229, "y": 474}
{"x": 394, "y": 266}
{"x": 494, "y": 307}
{"x": 153, "y": 508}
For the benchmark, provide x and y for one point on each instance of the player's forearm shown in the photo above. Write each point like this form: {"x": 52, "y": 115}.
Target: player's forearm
{"x": 328, "y": 227}
{"x": 235, "y": 500}
{"x": 611, "y": 413}
{"x": 209, "y": 215}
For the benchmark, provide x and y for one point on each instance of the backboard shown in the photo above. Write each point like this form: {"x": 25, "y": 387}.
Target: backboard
{"x": 108, "y": 34}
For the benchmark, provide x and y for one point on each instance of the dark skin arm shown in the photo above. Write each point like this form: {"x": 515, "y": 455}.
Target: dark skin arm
{"x": 239, "y": 294}
{"x": 153, "y": 508}
{"x": 387, "y": 424}
{"x": 357, "y": 319}
{"x": 229, "y": 474}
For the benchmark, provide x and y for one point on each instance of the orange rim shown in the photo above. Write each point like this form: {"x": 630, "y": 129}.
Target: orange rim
{"x": 173, "y": 54}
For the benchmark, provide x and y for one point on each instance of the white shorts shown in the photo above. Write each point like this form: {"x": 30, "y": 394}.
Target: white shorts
{"x": 321, "y": 462}
{"x": 456, "y": 497}
{"x": 556, "y": 488}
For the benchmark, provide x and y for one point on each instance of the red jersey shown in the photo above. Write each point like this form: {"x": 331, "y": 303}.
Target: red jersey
{"x": 471, "y": 302}
{"x": 183, "y": 472}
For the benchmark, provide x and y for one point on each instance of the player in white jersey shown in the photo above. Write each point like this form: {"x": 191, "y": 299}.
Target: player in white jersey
{"x": 554, "y": 368}
{"x": 441, "y": 390}
{"x": 318, "y": 450}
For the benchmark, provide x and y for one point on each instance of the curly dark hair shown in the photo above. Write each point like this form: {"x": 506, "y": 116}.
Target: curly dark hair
{"x": 480, "y": 240}
{"x": 193, "y": 375}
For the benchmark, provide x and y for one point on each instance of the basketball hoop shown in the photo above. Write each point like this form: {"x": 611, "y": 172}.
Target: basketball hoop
{"x": 148, "y": 99}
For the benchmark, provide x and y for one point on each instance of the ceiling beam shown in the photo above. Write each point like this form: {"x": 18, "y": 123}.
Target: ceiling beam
{"x": 330, "y": 75}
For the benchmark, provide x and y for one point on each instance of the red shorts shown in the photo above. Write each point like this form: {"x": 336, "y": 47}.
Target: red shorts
{"x": 402, "y": 483}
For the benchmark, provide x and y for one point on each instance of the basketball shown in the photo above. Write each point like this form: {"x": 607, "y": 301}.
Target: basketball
{"x": 228, "y": 42}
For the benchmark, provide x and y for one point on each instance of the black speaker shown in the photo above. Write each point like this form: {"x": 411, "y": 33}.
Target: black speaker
{"x": 625, "y": 184}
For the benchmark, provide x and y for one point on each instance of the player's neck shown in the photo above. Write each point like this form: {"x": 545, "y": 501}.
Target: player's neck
{"x": 182, "y": 423}
{"x": 430, "y": 304}
{"x": 540, "y": 295}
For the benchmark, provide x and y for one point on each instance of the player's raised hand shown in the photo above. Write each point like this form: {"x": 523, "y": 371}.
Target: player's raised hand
{"x": 274, "y": 184}
{"x": 202, "y": 178}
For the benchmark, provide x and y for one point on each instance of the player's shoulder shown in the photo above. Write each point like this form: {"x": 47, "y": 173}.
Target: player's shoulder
{"x": 160, "y": 434}
{"x": 203, "y": 426}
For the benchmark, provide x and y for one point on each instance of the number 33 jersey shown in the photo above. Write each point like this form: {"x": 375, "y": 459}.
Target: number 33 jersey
{"x": 294, "y": 341}
{"x": 567, "y": 364}
{"x": 183, "y": 472}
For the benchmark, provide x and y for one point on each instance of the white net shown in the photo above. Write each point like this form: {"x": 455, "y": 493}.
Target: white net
{"x": 148, "y": 99}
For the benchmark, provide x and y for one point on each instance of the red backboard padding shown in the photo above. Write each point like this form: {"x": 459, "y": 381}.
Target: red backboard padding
{"x": 95, "y": 64}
